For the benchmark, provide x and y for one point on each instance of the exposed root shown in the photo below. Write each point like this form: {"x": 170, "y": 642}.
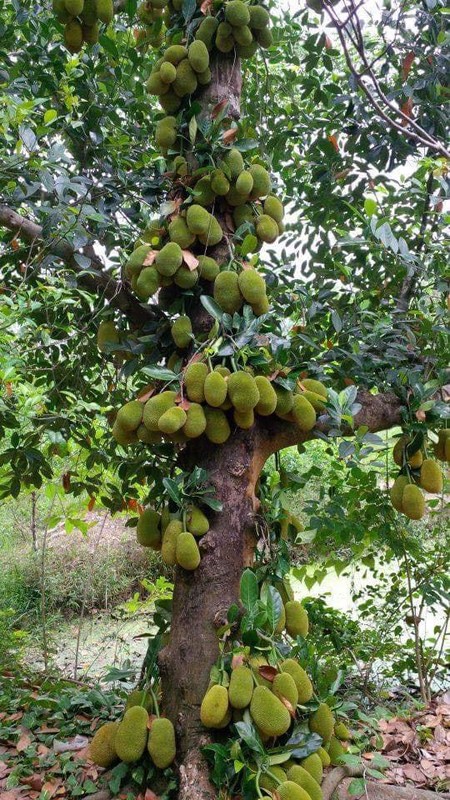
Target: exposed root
{"x": 337, "y": 782}
{"x": 194, "y": 779}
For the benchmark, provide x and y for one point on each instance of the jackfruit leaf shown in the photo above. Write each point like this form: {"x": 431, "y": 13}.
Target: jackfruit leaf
{"x": 193, "y": 127}
{"x": 233, "y": 613}
{"x": 415, "y": 445}
{"x": 249, "y": 735}
{"x": 246, "y": 144}
{"x": 279, "y": 758}
{"x": 212, "y": 503}
{"x": 249, "y": 244}
{"x": 188, "y": 8}
{"x": 173, "y": 490}
{"x": 212, "y": 307}
{"x": 249, "y": 593}
{"x": 116, "y": 777}
{"x": 357, "y": 787}
{"x": 312, "y": 743}
{"x": 160, "y": 373}
{"x": 274, "y": 604}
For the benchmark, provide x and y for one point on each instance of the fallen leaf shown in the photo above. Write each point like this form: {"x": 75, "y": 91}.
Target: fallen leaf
{"x": 77, "y": 743}
{"x": 24, "y": 741}
{"x": 413, "y": 773}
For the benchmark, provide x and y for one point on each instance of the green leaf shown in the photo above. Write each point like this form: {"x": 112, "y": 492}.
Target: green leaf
{"x": 370, "y": 206}
{"x": 160, "y": 373}
{"x": 50, "y": 116}
{"x": 211, "y": 306}
{"x": 357, "y": 787}
{"x": 249, "y": 593}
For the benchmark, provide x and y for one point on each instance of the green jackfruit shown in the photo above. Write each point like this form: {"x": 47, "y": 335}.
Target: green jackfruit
{"x": 292, "y": 791}
{"x": 224, "y": 43}
{"x": 186, "y": 81}
{"x": 302, "y": 681}
{"x": 187, "y": 553}
{"x": 431, "y": 476}
{"x": 155, "y": 85}
{"x": 198, "y": 219}
{"x": 195, "y": 422}
{"x": 165, "y": 131}
{"x": 399, "y": 452}
{"x": 146, "y": 436}
{"x": 169, "y": 542}
{"x": 180, "y": 167}
{"x": 180, "y": 233}
{"x": 267, "y": 396}
{"x": 220, "y": 184}
{"x": 234, "y": 161}
{"x": 74, "y": 7}
{"x": 269, "y": 713}
{"x": 264, "y": 38}
{"x": 60, "y": 11}
{"x": 215, "y": 389}
{"x": 244, "y": 183}
{"x": 244, "y": 419}
{"x": 413, "y": 502}
{"x": 182, "y": 332}
{"x": 242, "y": 214}
{"x": 252, "y": 286}
{"x": 274, "y": 208}
{"x": 260, "y": 308}
{"x": 155, "y": 407}
{"x": 342, "y": 732}
{"x": 90, "y": 33}
{"x": 194, "y": 380}
{"x": 302, "y": 778}
{"x": 167, "y": 72}
{"x": 255, "y": 662}
{"x": 105, "y": 10}
{"x": 266, "y": 229}
{"x": 122, "y": 436}
{"x": 243, "y": 391}
{"x": 206, "y": 30}
{"x": 186, "y": 278}
{"x": 324, "y": 757}
{"x": 139, "y": 697}
{"x": 237, "y": 13}
{"x": 208, "y": 268}
{"x": 148, "y": 529}
{"x": 169, "y": 259}
{"x": 271, "y": 783}
{"x": 335, "y": 751}
{"x": 170, "y": 102}
{"x": 217, "y": 427}
{"x": 101, "y": 749}
{"x": 147, "y": 283}
{"x": 136, "y": 260}
{"x": 227, "y": 293}
{"x": 129, "y": 417}
{"x": 234, "y": 198}
{"x": 241, "y": 685}
{"x": 73, "y": 36}
{"x": 172, "y": 420}
{"x": 313, "y": 765}
{"x": 396, "y": 492}
{"x": 161, "y": 743}
{"x": 312, "y": 385}
{"x": 214, "y": 706}
{"x": 296, "y": 619}
{"x": 322, "y": 722}
{"x": 261, "y": 181}
{"x": 203, "y": 193}
{"x": 175, "y": 53}
{"x": 196, "y": 521}
{"x": 441, "y": 445}
{"x": 284, "y": 686}
{"x": 107, "y": 334}
{"x": 214, "y": 234}
{"x": 316, "y": 400}
{"x": 198, "y": 56}
{"x": 131, "y": 734}
{"x": 281, "y": 621}
{"x": 259, "y": 17}
{"x": 247, "y": 50}
{"x": 303, "y": 413}
{"x": 285, "y": 400}
{"x": 243, "y": 36}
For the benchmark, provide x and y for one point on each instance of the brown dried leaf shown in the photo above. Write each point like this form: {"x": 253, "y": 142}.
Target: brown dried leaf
{"x": 413, "y": 773}
{"x": 205, "y": 6}
{"x": 267, "y": 672}
{"x": 149, "y": 258}
{"x": 185, "y": 404}
{"x": 288, "y": 705}
{"x": 237, "y": 660}
{"x": 333, "y": 141}
{"x": 229, "y": 135}
{"x": 24, "y": 741}
{"x": 190, "y": 260}
{"x": 146, "y": 392}
{"x": 218, "y": 108}
{"x": 407, "y": 64}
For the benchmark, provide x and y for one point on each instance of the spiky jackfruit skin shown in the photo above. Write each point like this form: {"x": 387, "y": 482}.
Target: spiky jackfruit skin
{"x": 243, "y": 391}
{"x": 206, "y": 30}
{"x": 413, "y": 502}
{"x": 136, "y": 260}
{"x": 313, "y": 765}
{"x": 241, "y": 685}
{"x": 303, "y": 413}
{"x": 139, "y": 697}
{"x": 247, "y": 51}
{"x": 194, "y": 381}
{"x": 442, "y": 446}
{"x": 335, "y": 751}
{"x": 399, "y": 453}
{"x": 281, "y": 622}
{"x": 148, "y": 531}
{"x": 267, "y": 402}
{"x": 180, "y": 233}
{"x": 170, "y": 102}
{"x": 105, "y": 11}
{"x": 187, "y": 552}
{"x": 214, "y": 706}
{"x": 169, "y": 259}
{"x": 284, "y": 686}
{"x": 73, "y": 36}
{"x": 197, "y": 522}
{"x": 292, "y": 791}
{"x": 129, "y": 417}
{"x": 74, "y": 7}
{"x": 155, "y": 85}
{"x": 198, "y": 219}
{"x": 217, "y": 428}
{"x": 215, "y": 389}
{"x": 302, "y": 778}
{"x": 219, "y": 183}
{"x": 269, "y": 783}
{"x": 122, "y": 436}
{"x": 172, "y": 420}
{"x": 155, "y": 408}
{"x": 60, "y": 11}
{"x": 342, "y": 732}
{"x": 132, "y": 734}
{"x": 255, "y": 662}
{"x": 195, "y": 421}
{"x": 101, "y": 749}
{"x": 175, "y": 53}
{"x": 324, "y": 757}
{"x": 234, "y": 161}
{"x": 147, "y": 283}
{"x": 167, "y": 72}
{"x": 186, "y": 81}
{"x": 214, "y": 234}
{"x": 227, "y": 293}
{"x": 269, "y": 713}
{"x": 264, "y": 38}
{"x": 252, "y": 286}
{"x": 302, "y": 681}
{"x": 237, "y": 13}
{"x": 166, "y": 131}
{"x": 259, "y": 17}
{"x": 244, "y": 419}
{"x": 431, "y": 476}
{"x": 285, "y": 401}
{"x": 169, "y": 542}
{"x": 266, "y": 229}
{"x": 244, "y": 183}
{"x": 261, "y": 181}
{"x": 204, "y": 195}
{"x": 322, "y": 722}
{"x": 396, "y": 492}
{"x": 161, "y": 743}
{"x": 242, "y": 214}
{"x": 181, "y": 331}
{"x": 107, "y": 334}
{"x": 186, "y": 278}
{"x": 208, "y": 268}
{"x": 296, "y": 619}
{"x": 274, "y": 208}
{"x": 90, "y": 33}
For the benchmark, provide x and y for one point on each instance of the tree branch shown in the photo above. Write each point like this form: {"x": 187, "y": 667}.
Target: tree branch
{"x": 98, "y": 282}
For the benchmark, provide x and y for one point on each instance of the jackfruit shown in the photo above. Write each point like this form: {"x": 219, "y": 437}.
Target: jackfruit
{"x": 187, "y": 552}
{"x": 285, "y": 401}
{"x": 198, "y": 219}
{"x": 247, "y": 50}
{"x": 274, "y": 208}
{"x": 441, "y": 444}
{"x": 180, "y": 167}
{"x": 167, "y": 72}
{"x": 242, "y": 214}
{"x": 219, "y": 183}
{"x": 266, "y": 229}
{"x": 302, "y": 778}
{"x": 122, "y": 436}
{"x": 105, "y": 10}
{"x": 227, "y": 293}
{"x": 214, "y": 234}
{"x": 324, "y": 757}
{"x": 264, "y": 37}
{"x": 303, "y": 413}
{"x": 169, "y": 542}
{"x": 194, "y": 381}
{"x": 313, "y": 385}
{"x": 186, "y": 278}
{"x": 181, "y": 332}
{"x": 284, "y": 686}
{"x": 90, "y": 33}
{"x": 223, "y": 370}
{"x": 281, "y": 621}
{"x": 292, "y": 791}
{"x": 267, "y": 396}
{"x": 313, "y": 765}
{"x": 244, "y": 183}
{"x": 322, "y": 722}
{"x": 73, "y": 36}
{"x": 261, "y": 181}
{"x": 252, "y": 286}
{"x": 243, "y": 391}
{"x": 131, "y": 734}
{"x": 147, "y": 283}
{"x": 396, "y": 492}
{"x": 136, "y": 260}
{"x": 198, "y": 56}
{"x": 413, "y": 502}
{"x": 60, "y": 11}
{"x": 208, "y": 268}
{"x": 270, "y": 783}
{"x": 107, "y": 334}
{"x": 260, "y": 308}
{"x": 342, "y": 732}
{"x": 186, "y": 81}
{"x": 431, "y": 476}
{"x": 155, "y": 85}
{"x": 296, "y": 619}
{"x": 335, "y": 751}
{"x": 214, "y": 706}
{"x": 180, "y": 233}
{"x": 301, "y": 679}
{"x": 203, "y": 193}
{"x": 215, "y": 389}
{"x": 170, "y": 102}
{"x": 206, "y": 30}
{"x": 155, "y": 408}
{"x": 129, "y": 417}
{"x": 255, "y": 662}
{"x": 316, "y": 400}
{"x": 101, "y": 749}
{"x": 399, "y": 453}
{"x": 237, "y": 13}
{"x": 241, "y": 685}
{"x": 269, "y": 713}
{"x": 259, "y": 17}
{"x": 148, "y": 529}
{"x": 244, "y": 419}
{"x": 234, "y": 161}
{"x": 139, "y": 697}
{"x": 196, "y": 521}
{"x": 175, "y": 53}
{"x": 165, "y": 131}
{"x": 74, "y": 7}
{"x": 161, "y": 743}
{"x": 217, "y": 427}
{"x": 243, "y": 36}
{"x": 172, "y": 420}
{"x": 169, "y": 259}
{"x": 224, "y": 41}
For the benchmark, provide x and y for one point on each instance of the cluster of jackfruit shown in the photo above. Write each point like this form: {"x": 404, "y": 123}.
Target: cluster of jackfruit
{"x": 416, "y": 473}
{"x": 174, "y": 538}
{"x": 138, "y": 731}
{"x": 154, "y": 16}
{"x": 81, "y": 20}
{"x": 178, "y": 74}
{"x": 232, "y": 290}
{"x": 242, "y": 29}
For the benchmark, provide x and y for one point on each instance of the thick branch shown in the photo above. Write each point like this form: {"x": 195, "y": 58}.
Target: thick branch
{"x": 98, "y": 282}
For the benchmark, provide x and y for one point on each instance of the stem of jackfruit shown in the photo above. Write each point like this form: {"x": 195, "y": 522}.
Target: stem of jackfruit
{"x": 155, "y": 702}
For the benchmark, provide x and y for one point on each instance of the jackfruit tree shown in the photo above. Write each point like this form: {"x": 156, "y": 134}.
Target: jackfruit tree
{"x": 218, "y": 355}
